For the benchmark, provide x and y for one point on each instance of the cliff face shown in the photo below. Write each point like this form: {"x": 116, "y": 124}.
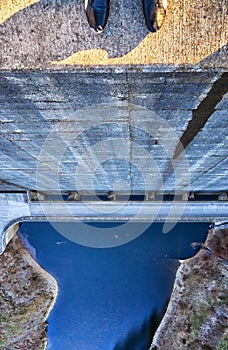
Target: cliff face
{"x": 197, "y": 314}
{"x": 27, "y": 294}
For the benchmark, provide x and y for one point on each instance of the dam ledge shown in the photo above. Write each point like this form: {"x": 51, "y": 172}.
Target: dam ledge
{"x": 17, "y": 207}
{"x": 120, "y": 69}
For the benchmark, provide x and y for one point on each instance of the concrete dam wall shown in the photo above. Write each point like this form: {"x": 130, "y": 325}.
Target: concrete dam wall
{"x": 101, "y": 131}
{"x": 153, "y": 117}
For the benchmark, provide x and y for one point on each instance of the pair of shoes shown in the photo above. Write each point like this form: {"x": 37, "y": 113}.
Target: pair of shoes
{"x": 97, "y": 12}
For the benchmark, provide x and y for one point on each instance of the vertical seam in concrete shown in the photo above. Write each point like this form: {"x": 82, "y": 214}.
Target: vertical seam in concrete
{"x": 129, "y": 127}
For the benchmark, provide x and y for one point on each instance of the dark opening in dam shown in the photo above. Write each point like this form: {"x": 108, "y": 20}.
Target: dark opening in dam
{"x": 111, "y": 298}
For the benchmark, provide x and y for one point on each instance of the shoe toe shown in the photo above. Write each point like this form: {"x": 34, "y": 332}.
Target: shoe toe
{"x": 97, "y": 14}
{"x": 154, "y": 12}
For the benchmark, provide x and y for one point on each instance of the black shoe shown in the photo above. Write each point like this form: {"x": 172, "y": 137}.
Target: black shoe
{"x": 97, "y": 12}
{"x": 154, "y": 12}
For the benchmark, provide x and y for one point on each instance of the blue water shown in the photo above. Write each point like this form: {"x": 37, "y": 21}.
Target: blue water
{"x": 113, "y": 298}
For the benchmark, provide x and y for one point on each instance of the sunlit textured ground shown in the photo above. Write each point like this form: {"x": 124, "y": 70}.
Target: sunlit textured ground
{"x": 51, "y": 32}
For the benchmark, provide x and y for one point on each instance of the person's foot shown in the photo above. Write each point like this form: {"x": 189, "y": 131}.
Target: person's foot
{"x": 154, "y": 12}
{"x": 97, "y": 12}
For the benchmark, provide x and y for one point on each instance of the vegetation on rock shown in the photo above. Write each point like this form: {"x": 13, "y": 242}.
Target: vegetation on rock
{"x": 197, "y": 314}
{"x": 27, "y": 294}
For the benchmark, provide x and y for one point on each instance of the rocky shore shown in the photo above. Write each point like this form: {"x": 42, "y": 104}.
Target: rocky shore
{"x": 27, "y": 295}
{"x": 197, "y": 314}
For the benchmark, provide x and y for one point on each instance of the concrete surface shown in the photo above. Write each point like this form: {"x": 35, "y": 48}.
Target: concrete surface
{"x": 102, "y": 131}
{"x": 53, "y": 33}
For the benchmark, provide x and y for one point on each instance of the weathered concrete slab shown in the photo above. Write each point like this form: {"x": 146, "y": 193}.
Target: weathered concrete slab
{"x": 102, "y": 131}
{"x": 53, "y": 33}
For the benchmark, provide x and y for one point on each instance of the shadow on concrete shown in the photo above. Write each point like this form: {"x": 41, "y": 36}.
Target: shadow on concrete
{"x": 53, "y": 30}
{"x": 219, "y": 56}
{"x": 202, "y": 113}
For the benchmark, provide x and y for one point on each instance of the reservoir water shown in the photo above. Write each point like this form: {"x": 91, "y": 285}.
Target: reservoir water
{"x": 110, "y": 298}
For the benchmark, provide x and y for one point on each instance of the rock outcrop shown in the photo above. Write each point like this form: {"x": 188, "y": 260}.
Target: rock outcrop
{"x": 197, "y": 313}
{"x": 27, "y": 295}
